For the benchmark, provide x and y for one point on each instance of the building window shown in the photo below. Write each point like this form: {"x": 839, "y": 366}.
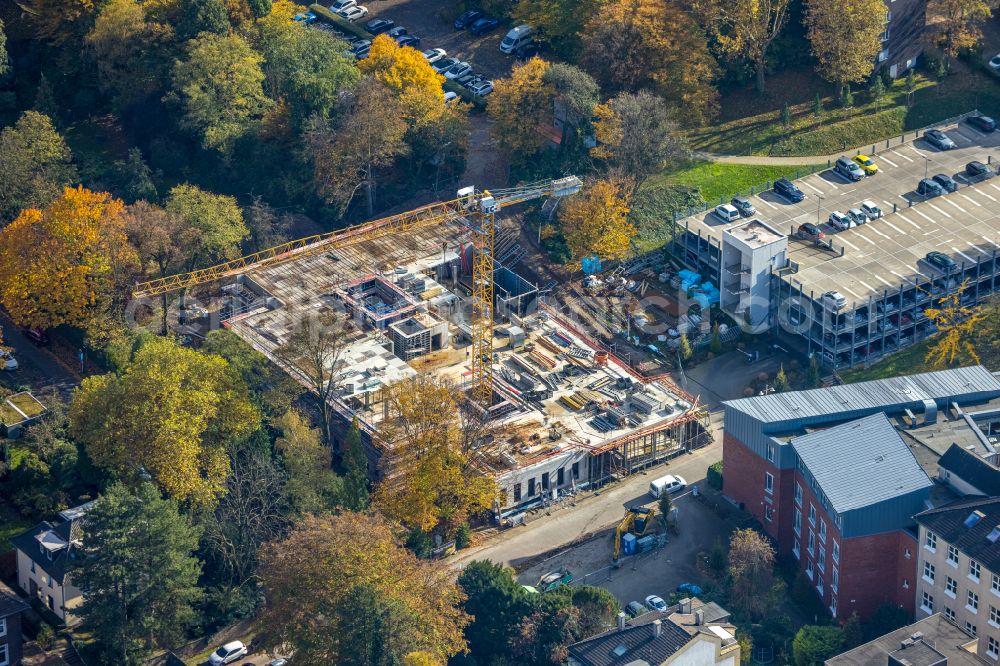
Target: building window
{"x": 930, "y": 541}
{"x": 972, "y": 602}
{"x": 992, "y": 647}
{"x": 974, "y": 570}
{"x": 996, "y": 584}
{"x": 531, "y": 487}
{"x": 576, "y": 470}
{"x": 32, "y": 566}
{"x": 4, "y": 655}
{"x": 517, "y": 491}
{"x": 51, "y": 602}
{"x": 798, "y": 493}
{"x": 812, "y": 514}
{"x": 821, "y": 562}
{"x": 809, "y": 569}
{"x": 883, "y": 55}
{"x": 971, "y": 628}
{"x": 768, "y": 513}
{"x": 928, "y": 572}
{"x": 3, "y": 626}
{"x": 953, "y": 556}
{"x": 885, "y": 35}
{"x": 811, "y": 547}
{"x": 561, "y": 476}
{"x": 927, "y": 603}
{"x": 835, "y": 579}
{"x": 951, "y": 587}
{"x": 906, "y": 583}
{"x": 833, "y": 607}
{"x": 797, "y": 524}
{"x": 796, "y": 551}
{"x": 768, "y": 483}
{"x": 949, "y": 613}
{"x": 994, "y": 616}
{"x": 819, "y": 584}
{"x": 770, "y": 453}
{"x": 835, "y": 552}
{"x": 822, "y": 531}
{"x": 545, "y": 481}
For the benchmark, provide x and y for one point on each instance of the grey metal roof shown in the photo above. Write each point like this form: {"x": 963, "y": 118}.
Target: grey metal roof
{"x": 861, "y": 463}
{"x": 877, "y": 394}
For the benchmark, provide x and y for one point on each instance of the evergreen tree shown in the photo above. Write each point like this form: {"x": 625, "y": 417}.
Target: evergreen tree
{"x": 355, "y": 462}
{"x": 137, "y": 574}
{"x": 135, "y": 178}
{"x": 786, "y": 115}
{"x": 818, "y": 106}
{"x": 781, "y": 380}
{"x": 684, "y": 348}
{"x": 878, "y": 92}
{"x": 203, "y": 16}
{"x": 846, "y": 96}
{"x": 716, "y": 344}
{"x": 4, "y": 61}
{"x": 260, "y": 8}
{"x": 45, "y": 100}
{"x": 813, "y": 379}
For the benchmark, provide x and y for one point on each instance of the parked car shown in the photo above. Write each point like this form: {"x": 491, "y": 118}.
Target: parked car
{"x": 857, "y": 215}
{"x": 982, "y": 123}
{"x": 867, "y": 164}
{"x": 7, "y": 361}
{"x": 467, "y": 80}
{"x": 278, "y": 662}
{"x": 555, "y": 579}
{"x": 635, "y": 609}
{"x": 669, "y": 484}
{"x": 839, "y": 221}
{"x": 743, "y": 205}
{"x": 529, "y": 50}
{"x": 995, "y": 62}
{"x": 340, "y": 5}
{"x": 656, "y": 603}
{"x": 929, "y": 188}
{"x": 482, "y": 88}
{"x": 379, "y": 25}
{"x": 871, "y": 209}
{"x": 450, "y": 96}
{"x": 787, "y": 189}
{"x": 353, "y": 14}
{"x": 483, "y": 26}
{"x": 228, "y": 653}
{"x": 397, "y": 32}
{"x": 727, "y": 213}
{"x": 467, "y": 18}
{"x": 443, "y": 64}
{"x": 939, "y": 140}
{"x": 516, "y": 37}
{"x": 409, "y": 40}
{"x": 457, "y": 70}
{"x": 946, "y": 182}
{"x": 940, "y": 261}
{"x": 810, "y": 231}
{"x": 689, "y": 588}
{"x": 848, "y": 169}
{"x": 433, "y": 55}
{"x": 362, "y": 53}
{"x": 976, "y": 170}
{"x": 834, "y": 300}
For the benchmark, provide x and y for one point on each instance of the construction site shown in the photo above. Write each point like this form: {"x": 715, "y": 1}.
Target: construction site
{"x": 427, "y": 293}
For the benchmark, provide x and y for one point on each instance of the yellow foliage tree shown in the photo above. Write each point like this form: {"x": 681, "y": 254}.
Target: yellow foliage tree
{"x": 432, "y": 482}
{"x": 169, "y": 413}
{"x": 957, "y": 325}
{"x": 595, "y": 221}
{"x": 959, "y": 23}
{"x": 65, "y": 264}
{"x": 406, "y": 71}
{"x": 421, "y": 659}
{"x": 749, "y": 27}
{"x": 519, "y": 106}
{"x": 845, "y": 37}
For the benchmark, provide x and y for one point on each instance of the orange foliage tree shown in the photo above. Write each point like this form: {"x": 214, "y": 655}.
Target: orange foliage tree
{"x": 66, "y": 264}
{"x": 406, "y": 71}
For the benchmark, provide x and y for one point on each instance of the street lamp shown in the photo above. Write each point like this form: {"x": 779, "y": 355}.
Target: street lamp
{"x": 819, "y": 202}
{"x": 927, "y": 163}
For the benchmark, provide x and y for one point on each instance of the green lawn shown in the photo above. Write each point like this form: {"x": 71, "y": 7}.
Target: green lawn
{"x": 906, "y": 362}
{"x": 723, "y": 181}
{"x": 753, "y": 126}
{"x": 11, "y": 524}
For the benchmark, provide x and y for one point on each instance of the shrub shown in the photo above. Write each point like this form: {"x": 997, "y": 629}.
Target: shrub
{"x": 714, "y": 475}
{"x": 462, "y": 536}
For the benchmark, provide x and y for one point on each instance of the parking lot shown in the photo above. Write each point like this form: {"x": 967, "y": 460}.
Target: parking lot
{"x": 890, "y": 251}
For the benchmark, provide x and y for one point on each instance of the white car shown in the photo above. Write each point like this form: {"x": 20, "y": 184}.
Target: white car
{"x": 340, "y": 5}
{"x": 834, "y": 300}
{"x": 481, "y": 89}
{"x": 457, "y": 70}
{"x": 995, "y": 62}
{"x": 871, "y": 209}
{"x": 355, "y": 13}
{"x": 450, "y": 96}
{"x": 839, "y": 221}
{"x": 433, "y": 55}
{"x": 656, "y": 603}
{"x": 7, "y": 361}
{"x": 228, "y": 653}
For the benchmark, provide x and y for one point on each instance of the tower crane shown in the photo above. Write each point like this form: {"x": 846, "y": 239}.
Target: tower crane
{"x": 474, "y": 208}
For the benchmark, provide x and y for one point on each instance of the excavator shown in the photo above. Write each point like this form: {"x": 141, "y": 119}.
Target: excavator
{"x": 638, "y": 521}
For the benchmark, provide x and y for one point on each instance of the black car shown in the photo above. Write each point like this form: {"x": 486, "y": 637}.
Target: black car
{"x": 977, "y": 171}
{"x": 483, "y": 25}
{"x": 467, "y": 18}
{"x": 529, "y": 50}
{"x": 946, "y": 182}
{"x": 379, "y": 25}
{"x": 409, "y": 40}
{"x": 982, "y": 123}
{"x": 36, "y": 335}
{"x": 939, "y": 140}
{"x": 787, "y": 189}
{"x": 929, "y": 188}
{"x": 940, "y": 261}
{"x": 397, "y": 32}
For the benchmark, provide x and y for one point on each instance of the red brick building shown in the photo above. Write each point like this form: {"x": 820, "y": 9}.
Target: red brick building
{"x": 829, "y": 477}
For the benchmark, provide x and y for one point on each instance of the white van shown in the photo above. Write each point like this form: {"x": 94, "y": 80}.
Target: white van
{"x": 727, "y": 213}
{"x": 516, "y": 38}
{"x": 666, "y": 484}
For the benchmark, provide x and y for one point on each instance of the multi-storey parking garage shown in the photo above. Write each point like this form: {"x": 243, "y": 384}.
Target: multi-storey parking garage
{"x": 773, "y": 277}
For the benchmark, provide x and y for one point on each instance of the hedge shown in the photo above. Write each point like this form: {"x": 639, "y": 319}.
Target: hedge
{"x": 714, "y": 475}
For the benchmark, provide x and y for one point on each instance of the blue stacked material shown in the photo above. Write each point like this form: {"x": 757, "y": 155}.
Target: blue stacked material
{"x": 689, "y": 279}
{"x": 705, "y": 295}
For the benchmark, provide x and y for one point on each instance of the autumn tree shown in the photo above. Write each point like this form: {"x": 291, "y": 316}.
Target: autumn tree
{"x": 518, "y": 106}
{"x": 845, "y": 38}
{"x": 59, "y": 22}
{"x": 597, "y": 606}
{"x": 4, "y": 59}
{"x": 813, "y": 644}
{"x": 312, "y": 483}
{"x": 575, "y": 94}
{"x": 405, "y": 71}
{"x": 634, "y": 44}
{"x": 35, "y": 165}
{"x": 303, "y": 66}
{"x": 202, "y": 16}
{"x": 66, "y": 264}
{"x": 957, "y": 325}
{"x": 366, "y": 593}
{"x": 432, "y": 481}
{"x": 368, "y": 136}
{"x": 637, "y": 136}
{"x": 169, "y": 414}
{"x": 212, "y": 224}
{"x": 751, "y": 572}
{"x": 959, "y": 24}
{"x": 595, "y": 221}
{"x": 749, "y": 27}
{"x": 220, "y": 89}
{"x": 137, "y": 573}
{"x": 558, "y": 23}
{"x": 546, "y": 634}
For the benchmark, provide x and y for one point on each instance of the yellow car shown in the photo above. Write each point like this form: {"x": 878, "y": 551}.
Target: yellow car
{"x": 866, "y": 164}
